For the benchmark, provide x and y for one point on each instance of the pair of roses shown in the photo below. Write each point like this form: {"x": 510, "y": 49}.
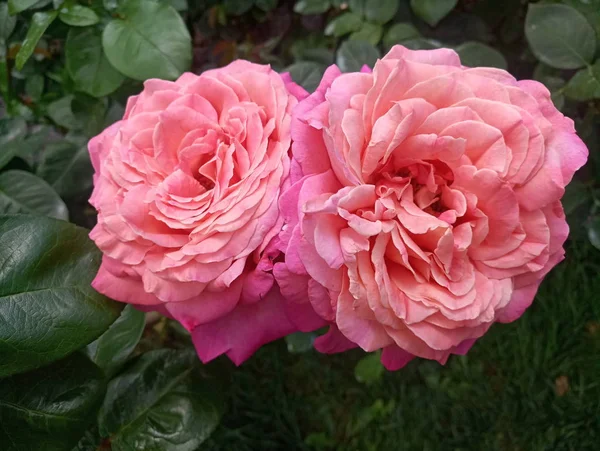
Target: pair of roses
{"x": 407, "y": 208}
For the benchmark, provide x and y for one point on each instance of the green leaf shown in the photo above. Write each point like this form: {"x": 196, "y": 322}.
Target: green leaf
{"x": 34, "y": 86}
{"x": 16, "y": 6}
{"x": 594, "y": 231}
{"x": 78, "y": 16}
{"x": 344, "y": 24}
{"x": 151, "y": 41}
{"x": 476, "y": 54}
{"x": 312, "y": 6}
{"x": 49, "y": 408}
{"x": 543, "y": 71}
{"x": 558, "y": 99}
{"x": 300, "y": 342}
{"x": 48, "y": 308}
{"x": 111, "y": 5}
{"x": 398, "y": 33}
{"x": 357, "y": 6}
{"x": 89, "y": 113}
{"x": 422, "y": 44}
{"x": 90, "y": 441}
{"x": 61, "y": 112}
{"x": 585, "y": 84}
{"x": 576, "y": 194}
{"x": 12, "y": 131}
{"x": 352, "y": 55}
{"x": 266, "y": 5}
{"x": 307, "y": 74}
{"x": 23, "y": 192}
{"x": 237, "y": 7}
{"x": 113, "y": 347}
{"x": 67, "y": 168}
{"x": 7, "y": 22}
{"x": 432, "y": 11}
{"x": 39, "y": 24}
{"x": 369, "y": 32}
{"x": 381, "y": 11}
{"x": 161, "y": 401}
{"x": 559, "y": 36}
{"x": 369, "y": 369}
{"x": 552, "y": 79}
{"x": 179, "y": 5}
{"x": 87, "y": 65}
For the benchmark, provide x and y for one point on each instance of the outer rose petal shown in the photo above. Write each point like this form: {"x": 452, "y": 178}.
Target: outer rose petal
{"x": 244, "y": 330}
{"x": 520, "y": 301}
{"x": 395, "y": 358}
{"x": 333, "y": 341}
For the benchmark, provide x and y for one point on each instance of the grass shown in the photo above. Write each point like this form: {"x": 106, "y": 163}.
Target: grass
{"x": 530, "y": 385}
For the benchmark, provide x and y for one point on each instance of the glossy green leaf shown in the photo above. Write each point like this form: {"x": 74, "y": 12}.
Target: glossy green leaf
{"x": 370, "y": 32}
{"x": 88, "y": 66}
{"x": 113, "y": 347}
{"x": 398, "y": 33}
{"x": 560, "y": 36}
{"x": 39, "y": 24}
{"x": 476, "y": 54}
{"x": 47, "y": 409}
{"x": 312, "y": 6}
{"x": 300, "y": 342}
{"x": 7, "y": 22}
{"x": 381, "y": 11}
{"x": 432, "y": 11}
{"x": 585, "y": 84}
{"x": 590, "y": 9}
{"x": 48, "y": 308}
{"x": 23, "y": 192}
{"x": 16, "y": 6}
{"x": 307, "y": 74}
{"x": 161, "y": 401}
{"x": 78, "y": 16}
{"x": 150, "y": 41}
{"x": 344, "y": 24}
{"x": 352, "y": 55}
{"x": 369, "y": 369}
{"x": 67, "y": 168}
{"x": 12, "y": 131}
{"x": 237, "y": 7}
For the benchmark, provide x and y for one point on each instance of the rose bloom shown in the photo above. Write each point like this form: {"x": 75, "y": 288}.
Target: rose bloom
{"x": 187, "y": 188}
{"x": 425, "y": 203}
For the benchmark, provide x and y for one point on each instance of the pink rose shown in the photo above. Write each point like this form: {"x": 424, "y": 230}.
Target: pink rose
{"x": 186, "y": 189}
{"x": 425, "y": 203}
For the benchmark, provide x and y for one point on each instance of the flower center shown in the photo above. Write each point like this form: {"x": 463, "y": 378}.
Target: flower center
{"x": 206, "y": 183}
